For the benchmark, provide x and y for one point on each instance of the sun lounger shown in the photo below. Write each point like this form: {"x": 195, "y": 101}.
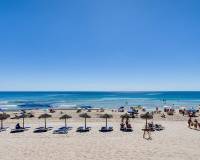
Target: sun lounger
{"x": 151, "y": 127}
{"x": 125, "y": 129}
{"x": 18, "y": 130}
{"x": 15, "y": 117}
{"x": 42, "y": 129}
{"x": 3, "y": 129}
{"x": 68, "y": 128}
{"x": 106, "y": 129}
{"x": 129, "y": 129}
{"x": 159, "y": 127}
{"x": 83, "y": 129}
{"x": 62, "y": 130}
{"x": 146, "y": 129}
{"x": 155, "y": 127}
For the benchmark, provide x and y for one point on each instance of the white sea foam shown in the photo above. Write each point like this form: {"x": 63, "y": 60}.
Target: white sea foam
{"x": 153, "y": 94}
{"x": 63, "y": 105}
{"x": 3, "y": 102}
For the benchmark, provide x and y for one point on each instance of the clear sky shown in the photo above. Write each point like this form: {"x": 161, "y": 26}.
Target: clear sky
{"x": 99, "y": 45}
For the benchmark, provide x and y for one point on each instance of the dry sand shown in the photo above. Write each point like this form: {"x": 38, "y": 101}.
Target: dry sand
{"x": 176, "y": 142}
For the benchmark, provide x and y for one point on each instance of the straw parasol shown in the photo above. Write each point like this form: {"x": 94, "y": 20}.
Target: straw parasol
{"x": 146, "y": 116}
{"x": 3, "y": 116}
{"x": 126, "y": 115}
{"x": 65, "y": 117}
{"x": 85, "y": 115}
{"x": 25, "y": 115}
{"x": 106, "y": 116}
{"x": 45, "y": 116}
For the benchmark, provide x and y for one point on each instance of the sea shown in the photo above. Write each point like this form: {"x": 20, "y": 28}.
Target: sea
{"x": 74, "y": 99}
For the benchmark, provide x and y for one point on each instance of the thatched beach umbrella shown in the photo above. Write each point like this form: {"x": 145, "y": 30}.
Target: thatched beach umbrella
{"x": 146, "y": 130}
{"x": 45, "y": 116}
{"x": 146, "y": 116}
{"x": 25, "y": 115}
{"x": 106, "y": 116}
{"x": 85, "y": 115}
{"x": 65, "y": 117}
{"x": 126, "y": 115}
{"x": 3, "y": 116}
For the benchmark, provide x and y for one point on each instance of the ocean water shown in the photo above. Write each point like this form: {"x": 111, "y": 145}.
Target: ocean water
{"x": 38, "y": 100}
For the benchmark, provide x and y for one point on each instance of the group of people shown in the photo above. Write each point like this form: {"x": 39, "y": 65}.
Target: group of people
{"x": 193, "y": 124}
{"x": 125, "y": 126}
{"x": 189, "y": 113}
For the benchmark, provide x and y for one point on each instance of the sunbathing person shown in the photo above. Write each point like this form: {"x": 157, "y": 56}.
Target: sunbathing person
{"x": 18, "y": 126}
{"x": 195, "y": 123}
{"x": 18, "y": 129}
{"x": 128, "y": 126}
{"x": 127, "y": 122}
{"x": 150, "y": 125}
{"x": 183, "y": 112}
{"x": 122, "y": 126}
{"x": 163, "y": 116}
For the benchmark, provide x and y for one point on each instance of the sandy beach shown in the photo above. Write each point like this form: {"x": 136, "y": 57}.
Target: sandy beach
{"x": 100, "y": 80}
{"x": 176, "y": 142}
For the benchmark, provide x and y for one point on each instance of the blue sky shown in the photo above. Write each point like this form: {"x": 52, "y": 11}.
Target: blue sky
{"x": 99, "y": 45}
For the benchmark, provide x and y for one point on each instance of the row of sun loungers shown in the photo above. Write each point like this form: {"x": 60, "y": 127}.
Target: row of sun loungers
{"x": 63, "y": 130}
{"x": 154, "y": 127}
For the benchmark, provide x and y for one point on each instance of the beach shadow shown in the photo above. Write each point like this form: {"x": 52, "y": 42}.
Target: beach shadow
{"x": 194, "y": 129}
{"x": 148, "y": 138}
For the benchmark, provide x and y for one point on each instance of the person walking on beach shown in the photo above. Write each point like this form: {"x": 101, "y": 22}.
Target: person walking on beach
{"x": 147, "y": 133}
{"x": 127, "y": 122}
{"x": 183, "y": 112}
{"x": 195, "y": 123}
{"x": 189, "y": 122}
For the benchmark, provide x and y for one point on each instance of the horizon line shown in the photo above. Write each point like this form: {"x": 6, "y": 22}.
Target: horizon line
{"x": 100, "y": 91}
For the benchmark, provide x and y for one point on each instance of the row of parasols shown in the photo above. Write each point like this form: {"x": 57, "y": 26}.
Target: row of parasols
{"x": 4, "y": 116}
